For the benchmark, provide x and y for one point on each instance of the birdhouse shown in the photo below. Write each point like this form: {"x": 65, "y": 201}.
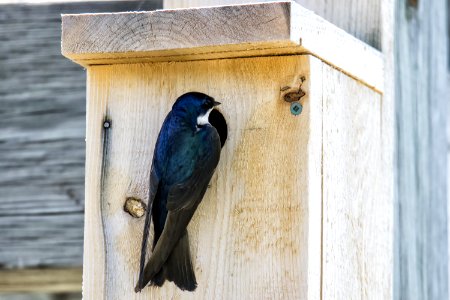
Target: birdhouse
{"x": 297, "y": 208}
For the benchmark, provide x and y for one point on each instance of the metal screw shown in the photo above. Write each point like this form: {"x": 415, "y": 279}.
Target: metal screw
{"x": 296, "y": 108}
{"x": 106, "y": 124}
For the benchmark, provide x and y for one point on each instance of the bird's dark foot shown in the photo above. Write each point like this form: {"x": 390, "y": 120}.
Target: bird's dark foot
{"x": 137, "y": 289}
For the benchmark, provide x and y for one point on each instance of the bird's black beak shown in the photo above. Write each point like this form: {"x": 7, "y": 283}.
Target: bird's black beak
{"x": 215, "y": 103}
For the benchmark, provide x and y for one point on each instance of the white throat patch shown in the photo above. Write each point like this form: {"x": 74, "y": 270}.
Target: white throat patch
{"x": 203, "y": 120}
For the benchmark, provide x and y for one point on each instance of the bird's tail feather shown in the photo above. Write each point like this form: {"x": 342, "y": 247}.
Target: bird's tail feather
{"x": 159, "y": 278}
{"x": 179, "y": 268}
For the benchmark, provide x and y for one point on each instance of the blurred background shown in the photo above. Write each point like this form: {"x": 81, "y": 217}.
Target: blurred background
{"x": 42, "y": 129}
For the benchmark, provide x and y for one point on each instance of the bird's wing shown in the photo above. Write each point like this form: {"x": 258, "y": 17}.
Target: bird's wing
{"x": 185, "y": 194}
{"x": 153, "y": 187}
{"x": 182, "y": 202}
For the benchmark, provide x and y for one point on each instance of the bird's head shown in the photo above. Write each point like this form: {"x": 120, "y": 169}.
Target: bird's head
{"x": 195, "y": 107}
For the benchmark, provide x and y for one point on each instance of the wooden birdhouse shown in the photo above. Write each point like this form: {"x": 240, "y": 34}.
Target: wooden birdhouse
{"x": 297, "y": 206}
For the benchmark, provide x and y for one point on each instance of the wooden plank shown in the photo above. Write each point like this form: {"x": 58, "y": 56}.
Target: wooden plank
{"x": 388, "y": 112}
{"x": 359, "y": 18}
{"x": 356, "y": 246}
{"x": 41, "y": 280}
{"x": 42, "y": 128}
{"x": 421, "y": 248}
{"x": 313, "y": 90}
{"x": 265, "y": 29}
{"x": 257, "y": 232}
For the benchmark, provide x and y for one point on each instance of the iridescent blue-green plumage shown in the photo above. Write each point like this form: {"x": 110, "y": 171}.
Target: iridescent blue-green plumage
{"x": 186, "y": 154}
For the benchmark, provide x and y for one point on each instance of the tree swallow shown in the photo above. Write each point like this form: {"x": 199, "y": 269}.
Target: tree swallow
{"x": 186, "y": 154}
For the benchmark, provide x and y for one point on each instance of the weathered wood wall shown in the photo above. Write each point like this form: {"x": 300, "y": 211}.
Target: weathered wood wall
{"x": 421, "y": 242}
{"x": 448, "y": 156}
{"x": 52, "y": 280}
{"x": 42, "y": 130}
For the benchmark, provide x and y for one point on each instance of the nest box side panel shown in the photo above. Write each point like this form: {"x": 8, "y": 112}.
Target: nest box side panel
{"x": 356, "y": 215}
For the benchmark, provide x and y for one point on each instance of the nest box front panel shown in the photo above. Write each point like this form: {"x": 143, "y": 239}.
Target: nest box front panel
{"x": 250, "y": 237}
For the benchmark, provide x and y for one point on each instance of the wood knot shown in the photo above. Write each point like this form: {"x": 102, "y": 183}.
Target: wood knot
{"x": 295, "y": 95}
{"x": 135, "y": 207}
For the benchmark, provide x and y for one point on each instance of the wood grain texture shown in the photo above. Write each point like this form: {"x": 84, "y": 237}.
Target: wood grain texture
{"x": 257, "y": 232}
{"x": 356, "y": 233}
{"x": 448, "y": 160}
{"x": 421, "y": 249}
{"x": 42, "y": 128}
{"x": 266, "y": 29}
{"x": 41, "y": 280}
{"x": 388, "y": 171}
{"x": 362, "y": 19}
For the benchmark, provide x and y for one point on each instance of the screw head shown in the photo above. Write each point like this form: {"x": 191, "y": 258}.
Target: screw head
{"x": 106, "y": 124}
{"x": 296, "y": 108}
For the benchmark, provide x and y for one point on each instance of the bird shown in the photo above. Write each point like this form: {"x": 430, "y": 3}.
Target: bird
{"x": 186, "y": 154}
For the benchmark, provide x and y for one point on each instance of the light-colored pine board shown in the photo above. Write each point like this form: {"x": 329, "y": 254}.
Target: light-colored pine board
{"x": 421, "y": 244}
{"x": 359, "y": 18}
{"x": 263, "y": 29}
{"x": 388, "y": 145}
{"x": 356, "y": 246}
{"x": 42, "y": 127}
{"x": 41, "y": 280}
{"x": 257, "y": 233}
